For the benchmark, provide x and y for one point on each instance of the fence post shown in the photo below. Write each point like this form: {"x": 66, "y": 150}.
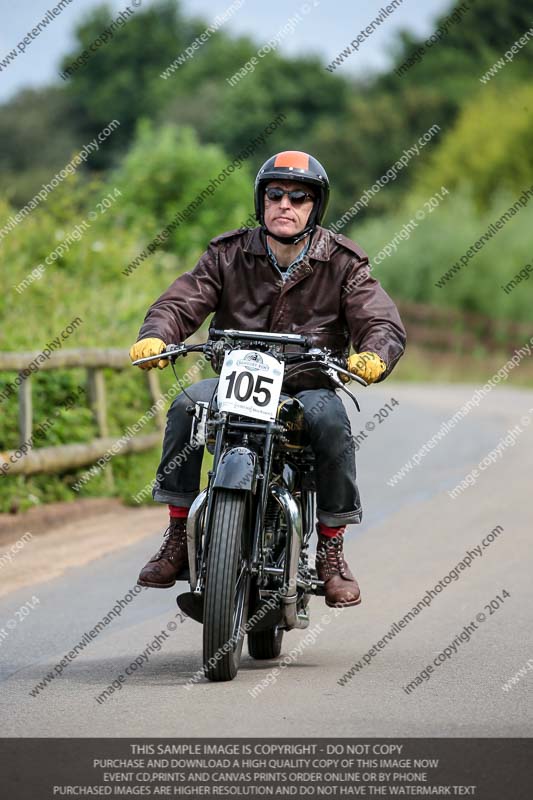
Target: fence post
{"x": 97, "y": 402}
{"x": 25, "y": 409}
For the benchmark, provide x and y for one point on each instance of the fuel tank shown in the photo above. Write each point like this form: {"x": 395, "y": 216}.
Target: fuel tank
{"x": 290, "y": 414}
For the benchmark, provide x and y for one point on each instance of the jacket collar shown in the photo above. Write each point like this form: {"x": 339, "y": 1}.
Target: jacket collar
{"x": 319, "y": 249}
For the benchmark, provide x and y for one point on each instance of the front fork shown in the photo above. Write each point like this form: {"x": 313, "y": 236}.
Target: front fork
{"x": 233, "y": 468}
{"x": 298, "y": 521}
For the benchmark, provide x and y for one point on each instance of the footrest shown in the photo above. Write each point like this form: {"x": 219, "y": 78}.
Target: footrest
{"x": 192, "y": 604}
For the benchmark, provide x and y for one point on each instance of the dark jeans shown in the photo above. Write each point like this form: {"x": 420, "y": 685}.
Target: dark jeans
{"x": 338, "y": 503}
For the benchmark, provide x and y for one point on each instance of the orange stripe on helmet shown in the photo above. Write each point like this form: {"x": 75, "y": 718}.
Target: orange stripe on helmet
{"x": 292, "y": 158}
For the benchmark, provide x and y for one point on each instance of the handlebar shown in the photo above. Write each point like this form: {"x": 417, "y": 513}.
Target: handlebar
{"x": 314, "y": 357}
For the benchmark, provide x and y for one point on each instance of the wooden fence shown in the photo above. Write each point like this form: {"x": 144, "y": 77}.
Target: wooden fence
{"x": 71, "y": 456}
{"x": 452, "y": 331}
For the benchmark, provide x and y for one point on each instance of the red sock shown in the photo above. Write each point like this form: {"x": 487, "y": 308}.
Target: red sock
{"x": 178, "y": 512}
{"x": 324, "y": 530}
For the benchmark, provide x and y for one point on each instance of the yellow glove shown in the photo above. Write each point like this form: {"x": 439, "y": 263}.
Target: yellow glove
{"x": 368, "y": 366}
{"x": 149, "y": 347}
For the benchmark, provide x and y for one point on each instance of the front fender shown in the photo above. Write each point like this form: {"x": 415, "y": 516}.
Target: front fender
{"x": 237, "y": 469}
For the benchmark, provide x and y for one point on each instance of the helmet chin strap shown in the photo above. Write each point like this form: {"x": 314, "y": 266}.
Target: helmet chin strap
{"x": 289, "y": 239}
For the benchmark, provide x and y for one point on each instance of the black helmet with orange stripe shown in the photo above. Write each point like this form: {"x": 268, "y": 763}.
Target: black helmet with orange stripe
{"x": 293, "y": 165}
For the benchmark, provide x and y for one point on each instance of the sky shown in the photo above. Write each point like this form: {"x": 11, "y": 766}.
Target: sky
{"x": 325, "y": 29}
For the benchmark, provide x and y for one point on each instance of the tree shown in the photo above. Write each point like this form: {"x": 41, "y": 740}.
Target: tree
{"x": 117, "y": 81}
{"x": 489, "y": 148}
{"x": 38, "y": 138}
{"x": 165, "y": 171}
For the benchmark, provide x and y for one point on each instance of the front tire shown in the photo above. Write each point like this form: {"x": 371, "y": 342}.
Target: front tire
{"x": 227, "y": 589}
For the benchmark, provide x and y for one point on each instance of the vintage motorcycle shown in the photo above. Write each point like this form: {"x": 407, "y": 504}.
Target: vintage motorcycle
{"x": 248, "y": 531}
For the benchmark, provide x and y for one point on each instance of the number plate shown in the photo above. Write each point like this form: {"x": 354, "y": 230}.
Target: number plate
{"x": 250, "y": 384}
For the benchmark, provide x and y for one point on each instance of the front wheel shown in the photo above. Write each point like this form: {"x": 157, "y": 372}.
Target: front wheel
{"x": 227, "y": 588}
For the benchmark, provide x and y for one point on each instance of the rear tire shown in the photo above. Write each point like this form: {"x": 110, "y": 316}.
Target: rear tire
{"x": 266, "y": 644}
{"x": 227, "y": 587}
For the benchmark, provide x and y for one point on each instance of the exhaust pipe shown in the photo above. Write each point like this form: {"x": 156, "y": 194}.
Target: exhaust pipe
{"x": 193, "y": 535}
{"x": 289, "y": 594}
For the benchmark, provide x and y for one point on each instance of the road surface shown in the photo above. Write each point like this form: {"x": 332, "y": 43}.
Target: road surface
{"x": 60, "y": 585}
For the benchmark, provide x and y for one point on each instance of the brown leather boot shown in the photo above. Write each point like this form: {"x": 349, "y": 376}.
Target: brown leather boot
{"x": 170, "y": 560}
{"x": 340, "y": 585}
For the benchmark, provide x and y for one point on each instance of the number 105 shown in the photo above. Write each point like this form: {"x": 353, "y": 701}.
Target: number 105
{"x": 241, "y": 385}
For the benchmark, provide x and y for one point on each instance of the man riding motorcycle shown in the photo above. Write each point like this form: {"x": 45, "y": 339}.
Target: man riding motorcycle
{"x": 291, "y": 275}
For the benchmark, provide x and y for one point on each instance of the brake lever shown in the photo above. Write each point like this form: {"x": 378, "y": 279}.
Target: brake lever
{"x": 351, "y": 376}
{"x": 336, "y": 368}
{"x": 340, "y": 385}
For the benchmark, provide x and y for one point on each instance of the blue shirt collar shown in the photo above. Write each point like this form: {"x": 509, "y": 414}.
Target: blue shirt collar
{"x": 287, "y": 271}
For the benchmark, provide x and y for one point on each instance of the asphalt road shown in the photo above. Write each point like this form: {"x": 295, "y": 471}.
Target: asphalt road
{"x": 412, "y": 536}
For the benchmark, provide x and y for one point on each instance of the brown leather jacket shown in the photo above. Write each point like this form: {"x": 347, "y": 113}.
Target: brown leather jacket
{"x": 330, "y": 297}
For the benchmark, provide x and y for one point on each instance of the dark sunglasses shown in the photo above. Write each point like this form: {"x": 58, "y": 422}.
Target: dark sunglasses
{"x": 297, "y": 196}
